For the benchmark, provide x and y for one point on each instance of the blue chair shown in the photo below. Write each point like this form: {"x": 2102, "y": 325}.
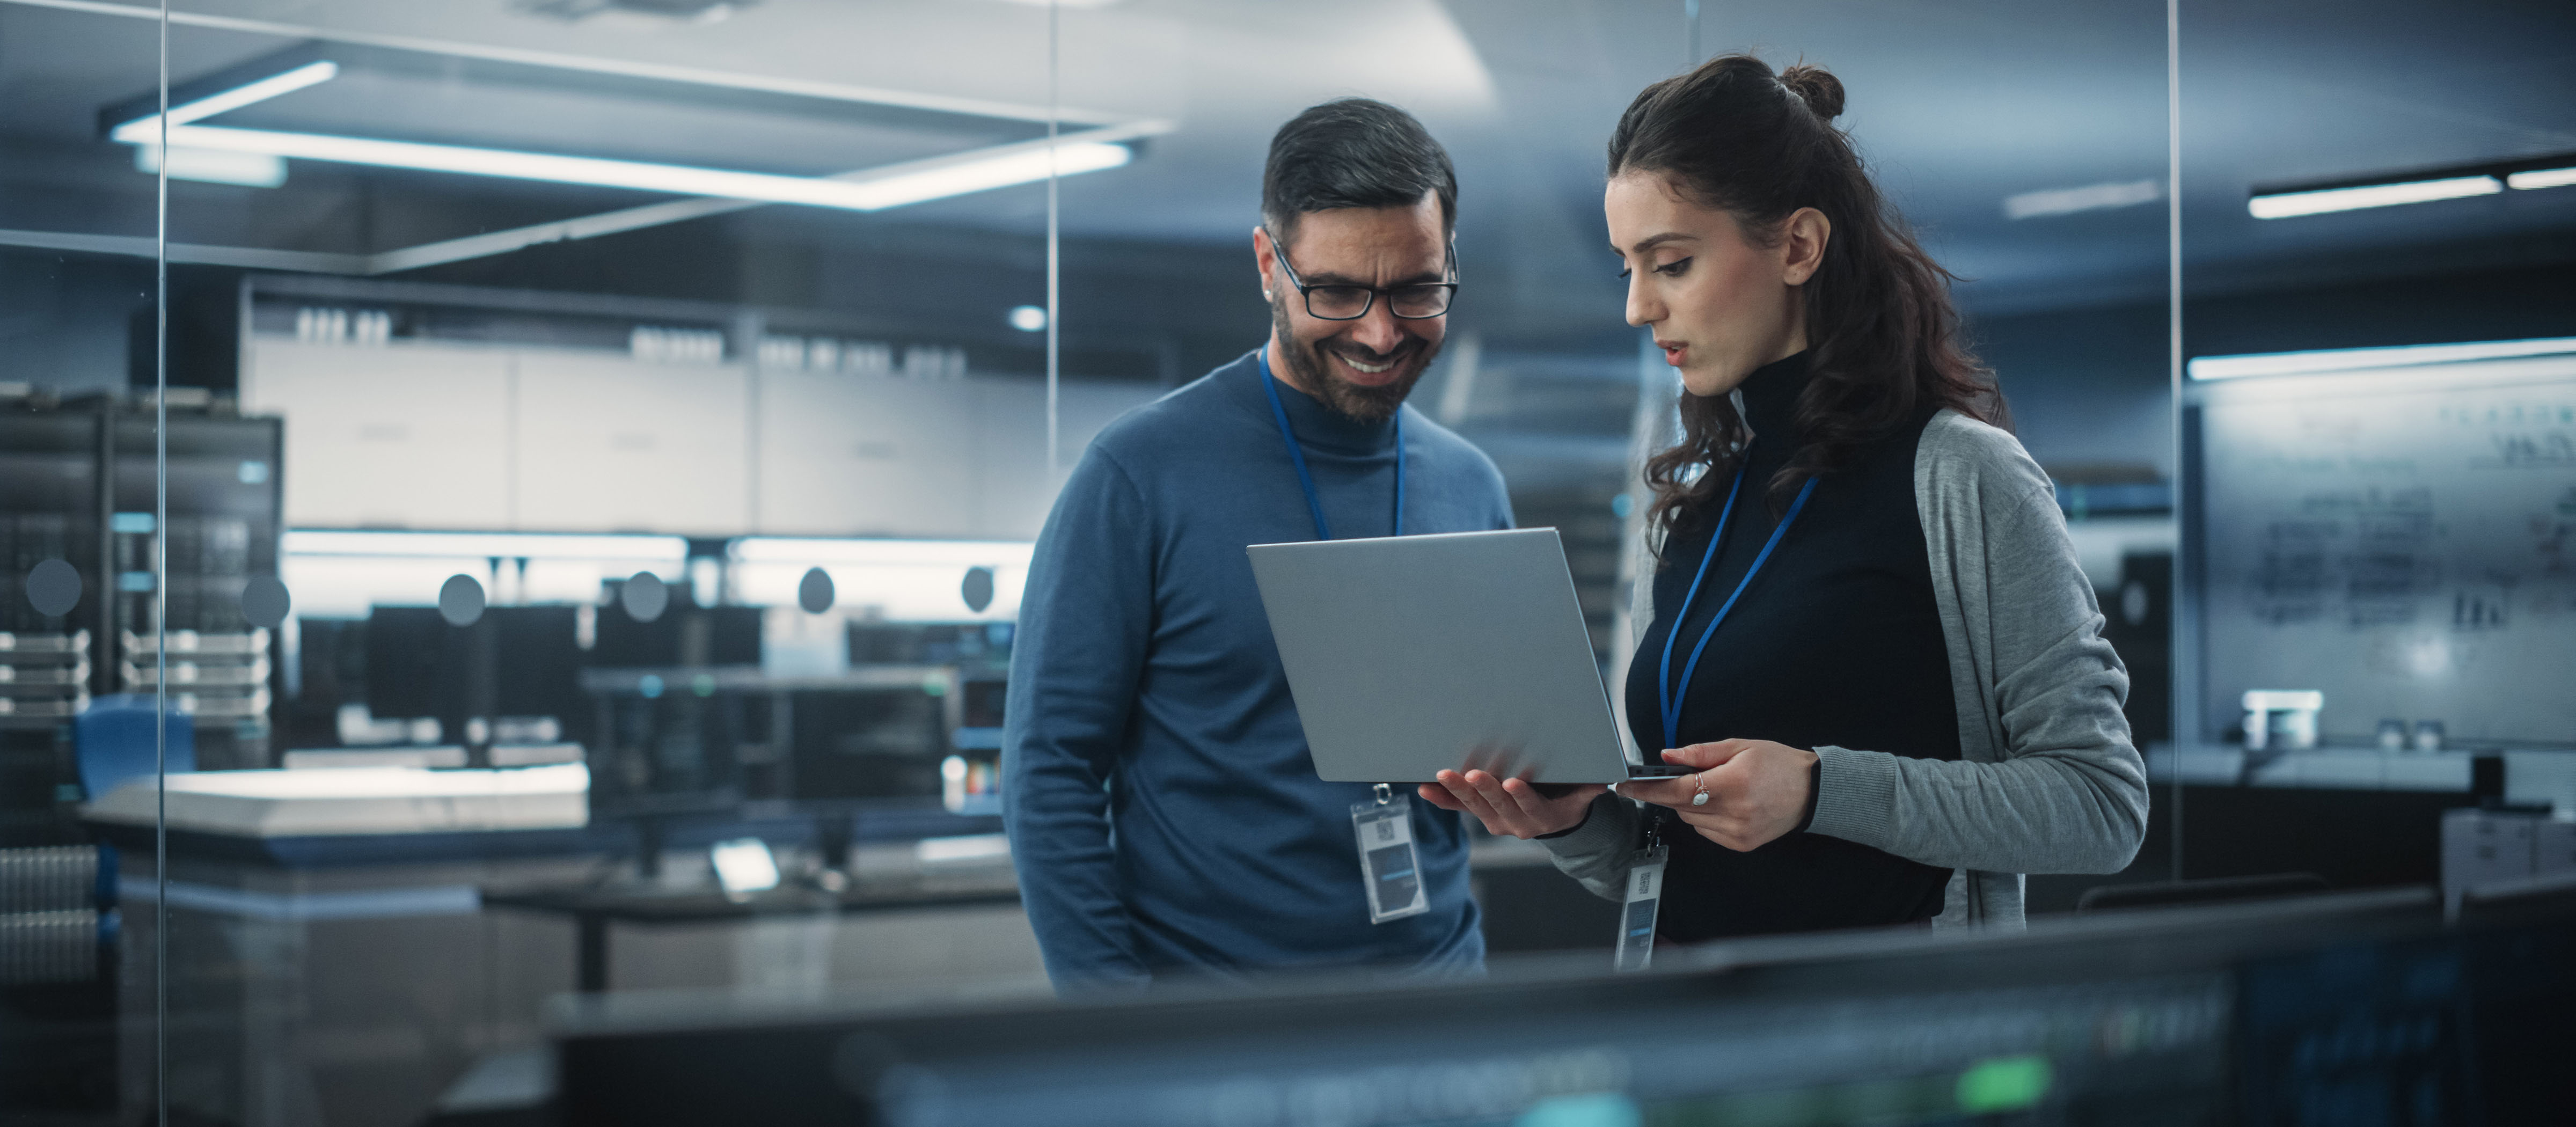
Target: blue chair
{"x": 113, "y": 741}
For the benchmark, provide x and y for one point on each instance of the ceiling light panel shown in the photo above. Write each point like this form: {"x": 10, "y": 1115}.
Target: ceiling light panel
{"x": 614, "y": 118}
{"x": 555, "y": 127}
{"x": 961, "y": 176}
{"x": 2542, "y": 178}
{"x": 2284, "y": 205}
{"x": 2360, "y": 359}
{"x": 211, "y": 166}
{"x": 2091, "y": 197}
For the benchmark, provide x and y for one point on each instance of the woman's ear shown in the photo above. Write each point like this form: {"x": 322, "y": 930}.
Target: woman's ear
{"x": 1802, "y": 241}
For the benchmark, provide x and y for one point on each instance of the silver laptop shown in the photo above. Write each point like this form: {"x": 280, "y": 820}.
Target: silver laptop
{"x": 1411, "y": 655}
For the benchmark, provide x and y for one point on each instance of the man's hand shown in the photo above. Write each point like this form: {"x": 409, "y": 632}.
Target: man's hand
{"x": 1510, "y": 807}
{"x": 1757, "y": 790}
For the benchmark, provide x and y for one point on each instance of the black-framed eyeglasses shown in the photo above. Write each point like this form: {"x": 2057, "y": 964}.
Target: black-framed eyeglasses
{"x": 1419, "y": 301}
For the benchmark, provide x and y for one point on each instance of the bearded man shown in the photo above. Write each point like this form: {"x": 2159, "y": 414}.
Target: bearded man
{"x": 1163, "y": 809}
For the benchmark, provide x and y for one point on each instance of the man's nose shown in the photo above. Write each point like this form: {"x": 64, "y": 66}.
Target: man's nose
{"x": 1376, "y": 329}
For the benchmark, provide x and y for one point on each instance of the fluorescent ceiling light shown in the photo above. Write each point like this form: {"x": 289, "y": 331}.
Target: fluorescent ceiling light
{"x": 2091, "y": 197}
{"x": 2355, "y": 359}
{"x": 963, "y": 553}
{"x": 856, "y": 193}
{"x": 213, "y": 166}
{"x": 257, "y": 156}
{"x": 2542, "y": 178}
{"x": 146, "y": 130}
{"x": 2282, "y": 205}
{"x": 485, "y": 545}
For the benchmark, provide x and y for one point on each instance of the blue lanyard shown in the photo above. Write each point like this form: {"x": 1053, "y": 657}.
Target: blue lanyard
{"x": 1297, "y": 456}
{"x": 1665, "y": 687}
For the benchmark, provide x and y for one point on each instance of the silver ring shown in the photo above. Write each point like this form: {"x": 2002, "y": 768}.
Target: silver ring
{"x": 1700, "y": 799}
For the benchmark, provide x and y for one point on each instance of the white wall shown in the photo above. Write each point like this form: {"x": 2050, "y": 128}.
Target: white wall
{"x": 461, "y": 436}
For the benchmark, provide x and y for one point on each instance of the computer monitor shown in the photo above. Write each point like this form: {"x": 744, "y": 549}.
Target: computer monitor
{"x": 2099, "y": 1019}
{"x": 417, "y": 664}
{"x": 878, "y": 743}
{"x": 685, "y": 634}
{"x": 413, "y": 662}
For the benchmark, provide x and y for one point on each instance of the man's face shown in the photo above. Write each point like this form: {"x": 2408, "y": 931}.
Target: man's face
{"x": 1364, "y": 368}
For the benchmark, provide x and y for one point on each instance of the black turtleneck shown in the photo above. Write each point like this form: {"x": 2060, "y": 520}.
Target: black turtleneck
{"x": 1837, "y": 642}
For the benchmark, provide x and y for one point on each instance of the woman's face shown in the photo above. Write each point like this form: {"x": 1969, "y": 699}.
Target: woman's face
{"x": 1719, "y": 303}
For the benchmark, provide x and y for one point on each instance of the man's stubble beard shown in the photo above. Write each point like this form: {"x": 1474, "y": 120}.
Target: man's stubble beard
{"x": 1349, "y": 400}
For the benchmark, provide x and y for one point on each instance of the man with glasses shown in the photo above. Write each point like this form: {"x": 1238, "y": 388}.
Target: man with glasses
{"x": 1163, "y": 809}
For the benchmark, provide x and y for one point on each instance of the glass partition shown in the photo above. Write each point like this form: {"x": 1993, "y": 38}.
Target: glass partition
{"x": 2373, "y": 372}
{"x": 560, "y": 543}
{"x": 655, "y": 401}
{"x": 79, "y": 314}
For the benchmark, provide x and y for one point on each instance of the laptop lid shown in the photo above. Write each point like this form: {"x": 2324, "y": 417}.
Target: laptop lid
{"x": 1410, "y": 655}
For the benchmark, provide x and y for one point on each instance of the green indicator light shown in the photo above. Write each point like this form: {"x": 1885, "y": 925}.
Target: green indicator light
{"x": 1591, "y": 1109}
{"x": 2003, "y": 1084}
{"x": 704, "y": 685}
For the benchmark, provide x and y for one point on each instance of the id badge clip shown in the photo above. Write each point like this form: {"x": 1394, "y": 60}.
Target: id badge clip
{"x": 1637, "y": 916}
{"x": 1387, "y": 860}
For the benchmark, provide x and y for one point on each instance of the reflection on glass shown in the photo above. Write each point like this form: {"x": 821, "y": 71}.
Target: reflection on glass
{"x": 264, "y": 601}
{"x": 53, "y": 588}
{"x": 814, "y": 591}
{"x": 643, "y": 596}
{"x": 460, "y": 600}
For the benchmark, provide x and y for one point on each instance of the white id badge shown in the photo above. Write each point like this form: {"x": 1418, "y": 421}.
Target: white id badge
{"x": 1387, "y": 862}
{"x": 1637, "y": 918}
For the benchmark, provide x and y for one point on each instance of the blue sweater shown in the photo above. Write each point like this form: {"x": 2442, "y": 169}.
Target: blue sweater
{"x": 1163, "y": 810}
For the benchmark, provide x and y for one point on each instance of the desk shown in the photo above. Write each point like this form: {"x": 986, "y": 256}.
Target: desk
{"x": 2544, "y": 776}
{"x": 594, "y": 909}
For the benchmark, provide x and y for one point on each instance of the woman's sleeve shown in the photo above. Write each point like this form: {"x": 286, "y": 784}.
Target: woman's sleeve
{"x": 1596, "y": 852}
{"x": 2067, "y": 792}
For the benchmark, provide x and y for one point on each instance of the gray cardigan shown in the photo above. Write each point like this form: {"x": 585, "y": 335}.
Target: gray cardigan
{"x": 2047, "y": 781}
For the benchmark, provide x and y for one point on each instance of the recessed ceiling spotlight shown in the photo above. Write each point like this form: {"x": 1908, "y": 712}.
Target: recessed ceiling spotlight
{"x": 1028, "y": 318}
{"x": 2091, "y": 197}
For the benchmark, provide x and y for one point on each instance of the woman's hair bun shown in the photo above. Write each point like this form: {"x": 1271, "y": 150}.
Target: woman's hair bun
{"x": 1817, "y": 86}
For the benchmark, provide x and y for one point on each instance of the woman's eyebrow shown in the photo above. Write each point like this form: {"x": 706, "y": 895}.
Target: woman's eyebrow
{"x": 1650, "y": 242}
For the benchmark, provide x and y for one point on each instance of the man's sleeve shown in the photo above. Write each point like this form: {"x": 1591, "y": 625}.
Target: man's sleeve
{"x": 1076, "y": 659}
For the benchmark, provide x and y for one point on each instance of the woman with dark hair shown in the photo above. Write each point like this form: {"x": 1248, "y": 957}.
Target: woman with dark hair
{"x": 1864, "y": 625}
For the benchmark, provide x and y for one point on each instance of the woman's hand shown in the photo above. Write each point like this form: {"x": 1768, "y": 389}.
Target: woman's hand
{"x": 1510, "y": 807}
{"x": 1757, "y": 790}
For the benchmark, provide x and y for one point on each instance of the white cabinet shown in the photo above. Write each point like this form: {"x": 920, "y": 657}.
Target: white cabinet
{"x": 436, "y": 436}
{"x": 608, "y": 444}
{"x": 388, "y": 437}
{"x": 853, "y": 455}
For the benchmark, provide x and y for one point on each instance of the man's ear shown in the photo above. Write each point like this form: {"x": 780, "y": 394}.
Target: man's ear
{"x": 1264, "y": 259}
{"x": 1803, "y": 237}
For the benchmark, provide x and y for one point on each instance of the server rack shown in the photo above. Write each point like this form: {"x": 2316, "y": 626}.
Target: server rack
{"x": 78, "y": 483}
